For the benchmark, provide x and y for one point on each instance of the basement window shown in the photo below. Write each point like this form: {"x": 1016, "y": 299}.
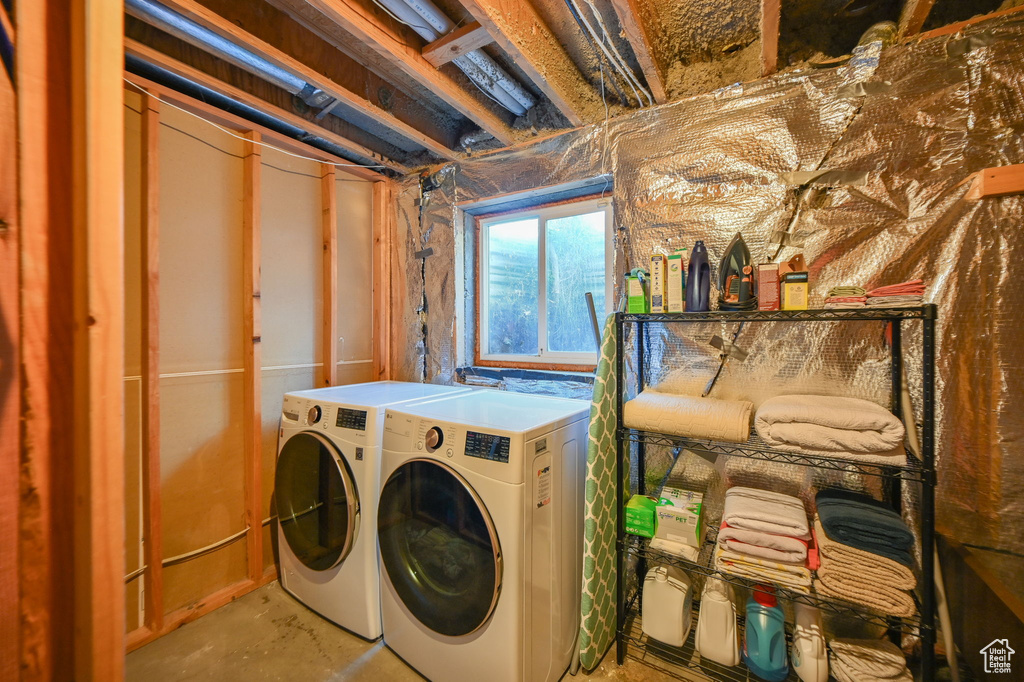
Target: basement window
{"x": 534, "y": 269}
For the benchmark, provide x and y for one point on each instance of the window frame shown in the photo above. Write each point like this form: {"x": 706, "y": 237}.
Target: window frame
{"x": 546, "y": 359}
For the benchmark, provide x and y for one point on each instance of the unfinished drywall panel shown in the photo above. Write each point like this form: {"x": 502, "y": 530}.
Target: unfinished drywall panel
{"x": 291, "y": 261}
{"x": 202, "y": 472}
{"x": 201, "y": 320}
{"x": 133, "y": 357}
{"x": 200, "y": 245}
{"x": 355, "y": 271}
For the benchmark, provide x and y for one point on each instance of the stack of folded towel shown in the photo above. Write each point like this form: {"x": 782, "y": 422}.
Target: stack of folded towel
{"x": 864, "y": 552}
{"x": 846, "y": 297}
{"x": 868, "y": 660}
{"x": 905, "y": 294}
{"x": 832, "y": 426}
{"x": 764, "y": 537}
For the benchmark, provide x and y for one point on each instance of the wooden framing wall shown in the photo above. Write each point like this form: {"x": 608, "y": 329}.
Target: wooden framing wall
{"x": 157, "y": 622}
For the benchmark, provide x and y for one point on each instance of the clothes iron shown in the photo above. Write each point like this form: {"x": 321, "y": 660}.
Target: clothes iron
{"x": 736, "y": 283}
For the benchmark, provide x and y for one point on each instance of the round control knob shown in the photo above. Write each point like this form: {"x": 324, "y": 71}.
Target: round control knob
{"x": 434, "y": 439}
{"x": 313, "y": 416}
{"x": 419, "y": 445}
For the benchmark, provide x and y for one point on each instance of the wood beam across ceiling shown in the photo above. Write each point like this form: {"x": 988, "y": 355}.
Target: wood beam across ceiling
{"x": 159, "y": 59}
{"x": 457, "y": 43}
{"x": 628, "y": 12}
{"x": 282, "y": 41}
{"x": 520, "y": 31}
{"x": 407, "y": 59}
{"x": 913, "y": 16}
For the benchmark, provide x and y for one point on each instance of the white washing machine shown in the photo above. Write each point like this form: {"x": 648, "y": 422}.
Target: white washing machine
{"x": 480, "y": 535}
{"x": 325, "y": 488}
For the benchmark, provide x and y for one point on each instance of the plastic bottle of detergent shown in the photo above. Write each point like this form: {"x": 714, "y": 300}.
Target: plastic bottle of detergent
{"x": 667, "y": 605}
{"x": 698, "y": 280}
{"x": 717, "y": 637}
{"x": 764, "y": 640}
{"x": 808, "y": 653}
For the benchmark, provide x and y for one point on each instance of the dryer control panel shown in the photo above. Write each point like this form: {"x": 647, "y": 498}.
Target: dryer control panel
{"x": 488, "y": 446}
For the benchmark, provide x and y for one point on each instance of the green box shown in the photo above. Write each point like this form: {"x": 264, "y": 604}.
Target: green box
{"x": 640, "y": 515}
{"x": 636, "y": 295}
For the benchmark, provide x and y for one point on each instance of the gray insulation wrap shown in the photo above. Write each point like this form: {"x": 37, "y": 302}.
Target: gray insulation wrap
{"x": 710, "y": 166}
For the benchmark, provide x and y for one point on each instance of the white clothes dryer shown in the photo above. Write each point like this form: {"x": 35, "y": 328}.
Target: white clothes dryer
{"x": 325, "y": 487}
{"x": 480, "y": 535}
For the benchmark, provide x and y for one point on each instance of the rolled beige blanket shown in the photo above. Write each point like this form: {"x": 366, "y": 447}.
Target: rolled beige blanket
{"x": 690, "y": 416}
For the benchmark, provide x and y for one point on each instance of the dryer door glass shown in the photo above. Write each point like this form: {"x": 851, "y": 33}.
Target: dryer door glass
{"x": 439, "y": 547}
{"x": 317, "y": 503}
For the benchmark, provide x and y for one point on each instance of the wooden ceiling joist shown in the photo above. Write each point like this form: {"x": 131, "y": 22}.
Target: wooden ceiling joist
{"x": 636, "y": 33}
{"x": 520, "y": 31}
{"x": 305, "y": 48}
{"x": 771, "y": 11}
{"x": 159, "y": 59}
{"x": 913, "y": 16}
{"x": 457, "y": 43}
{"x": 407, "y": 58}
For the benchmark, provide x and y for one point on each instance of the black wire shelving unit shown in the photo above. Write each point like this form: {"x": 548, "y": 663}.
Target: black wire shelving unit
{"x": 684, "y": 662}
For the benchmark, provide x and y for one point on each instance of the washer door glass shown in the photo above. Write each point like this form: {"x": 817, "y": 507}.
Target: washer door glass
{"x": 439, "y": 547}
{"x": 317, "y": 503}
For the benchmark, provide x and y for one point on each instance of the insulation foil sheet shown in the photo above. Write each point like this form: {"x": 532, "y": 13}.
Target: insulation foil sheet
{"x": 898, "y": 131}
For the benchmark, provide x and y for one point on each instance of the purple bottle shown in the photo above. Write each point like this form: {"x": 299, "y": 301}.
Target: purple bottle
{"x": 698, "y": 280}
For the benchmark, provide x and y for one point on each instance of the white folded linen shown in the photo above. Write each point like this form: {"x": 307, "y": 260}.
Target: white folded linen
{"x": 827, "y": 425}
{"x": 684, "y": 415}
{"x": 766, "y": 512}
{"x": 780, "y": 548}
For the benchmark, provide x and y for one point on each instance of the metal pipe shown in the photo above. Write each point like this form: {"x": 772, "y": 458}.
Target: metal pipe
{"x": 181, "y": 27}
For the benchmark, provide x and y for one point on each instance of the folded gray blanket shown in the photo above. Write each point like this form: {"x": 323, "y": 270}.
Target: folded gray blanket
{"x": 863, "y": 522}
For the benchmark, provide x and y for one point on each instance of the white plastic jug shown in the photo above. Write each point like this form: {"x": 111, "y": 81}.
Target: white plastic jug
{"x": 667, "y": 604}
{"x": 808, "y": 651}
{"x": 717, "y": 637}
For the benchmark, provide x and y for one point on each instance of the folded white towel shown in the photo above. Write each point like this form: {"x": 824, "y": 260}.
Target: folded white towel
{"x": 766, "y": 512}
{"x": 781, "y": 548}
{"x": 825, "y": 425}
{"x": 752, "y": 568}
{"x": 684, "y": 415}
{"x": 867, "y": 660}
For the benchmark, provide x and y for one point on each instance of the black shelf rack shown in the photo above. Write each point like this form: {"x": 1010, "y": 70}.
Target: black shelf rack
{"x": 629, "y": 637}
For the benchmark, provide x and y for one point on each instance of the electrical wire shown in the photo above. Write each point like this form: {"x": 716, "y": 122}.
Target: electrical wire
{"x": 399, "y": 19}
{"x": 228, "y": 131}
{"x": 578, "y": 13}
{"x": 622, "y": 62}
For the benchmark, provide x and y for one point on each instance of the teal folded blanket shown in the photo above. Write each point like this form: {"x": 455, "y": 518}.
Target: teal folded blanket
{"x": 863, "y": 522}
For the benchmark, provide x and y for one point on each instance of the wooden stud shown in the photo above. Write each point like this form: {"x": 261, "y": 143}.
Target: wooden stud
{"x": 996, "y": 182}
{"x": 187, "y": 614}
{"x": 520, "y": 31}
{"x": 629, "y": 15}
{"x": 152, "y": 524}
{"x": 950, "y": 29}
{"x": 10, "y": 380}
{"x": 228, "y": 17}
{"x": 464, "y": 39}
{"x": 913, "y": 16}
{"x": 770, "y": 16}
{"x": 148, "y": 54}
{"x": 406, "y": 58}
{"x": 384, "y": 220}
{"x": 253, "y": 401}
{"x": 236, "y": 123}
{"x": 329, "y": 233}
{"x": 97, "y": 283}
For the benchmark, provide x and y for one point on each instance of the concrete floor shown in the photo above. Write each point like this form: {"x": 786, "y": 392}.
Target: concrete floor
{"x": 268, "y": 635}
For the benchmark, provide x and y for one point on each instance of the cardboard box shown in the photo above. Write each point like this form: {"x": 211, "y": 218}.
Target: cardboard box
{"x": 658, "y": 275}
{"x": 636, "y": 296}
{"x": 680, "y": 517}
{"x": 794, "y": 295}
{"x": 676, "y": 282}
{"x": 639, "y": 515}
{"x": 768, "y": 292}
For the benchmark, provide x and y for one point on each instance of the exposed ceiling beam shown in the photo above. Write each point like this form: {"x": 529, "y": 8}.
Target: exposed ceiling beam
{"x": 296, "y": 49}
{"x": 457, "y": 43}
{"x": 628, "y": 12}
{"x": 996, "y": 182}
{"x": 520, "y": 31}
{"x": 950, "y": 29}
{"x": 407, "y": 58}
{"x": 156, "y": 58}
{"x": 770, "y": 15}
{"x": 913, "y": 16}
